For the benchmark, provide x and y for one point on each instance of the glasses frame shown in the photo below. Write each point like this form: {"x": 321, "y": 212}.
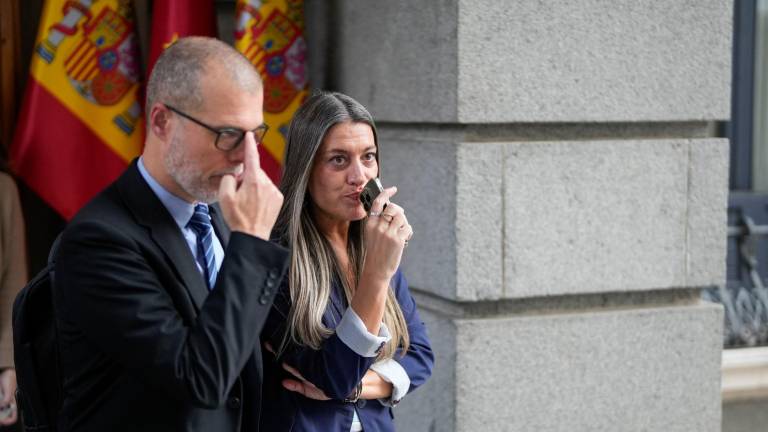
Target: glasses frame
{"x": 258, "y": 133}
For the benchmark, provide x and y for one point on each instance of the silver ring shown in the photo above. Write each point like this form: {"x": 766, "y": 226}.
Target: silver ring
{"x": 375, "y": 213}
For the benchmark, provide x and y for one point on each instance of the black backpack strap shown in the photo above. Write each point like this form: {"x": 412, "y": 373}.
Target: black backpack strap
{"x": 29, "y": 392}
{"x": 35, "y": 332}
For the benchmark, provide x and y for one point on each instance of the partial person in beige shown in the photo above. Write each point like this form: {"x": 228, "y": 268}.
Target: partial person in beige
{"x": 13, "y": 276}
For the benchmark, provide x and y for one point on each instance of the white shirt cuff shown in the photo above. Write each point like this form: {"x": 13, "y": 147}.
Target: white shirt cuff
{"x": 392, "y": 372}
{"x": 352, "y": 331}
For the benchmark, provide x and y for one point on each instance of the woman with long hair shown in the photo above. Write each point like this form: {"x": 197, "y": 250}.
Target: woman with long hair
{"x": 344, "y": 328}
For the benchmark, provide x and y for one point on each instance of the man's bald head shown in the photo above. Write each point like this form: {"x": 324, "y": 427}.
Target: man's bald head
{"x": 178, "y": 73}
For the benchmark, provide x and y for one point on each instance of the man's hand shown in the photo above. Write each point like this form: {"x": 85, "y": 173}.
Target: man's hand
{"x": 8, "y": 387}
{"x": 251, "y": 207}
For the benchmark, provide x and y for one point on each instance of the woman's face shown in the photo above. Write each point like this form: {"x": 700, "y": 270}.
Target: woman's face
{"x": 344, "y": 163}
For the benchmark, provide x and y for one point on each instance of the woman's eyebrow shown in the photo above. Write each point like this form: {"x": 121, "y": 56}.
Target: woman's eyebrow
{"x": 345, "y": 151}
{"x": 335, "y": 150}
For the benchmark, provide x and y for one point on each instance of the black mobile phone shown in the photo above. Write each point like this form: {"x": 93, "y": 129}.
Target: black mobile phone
{"x": 371, "y": 190}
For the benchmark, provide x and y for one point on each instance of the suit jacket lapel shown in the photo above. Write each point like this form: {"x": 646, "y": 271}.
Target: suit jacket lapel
{"x": 253, "y": 367}
{"x": 219, "y": 226}
{"x": 150, "y": 212}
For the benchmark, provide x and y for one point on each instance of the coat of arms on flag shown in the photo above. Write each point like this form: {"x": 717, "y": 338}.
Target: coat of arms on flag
{"x": 101, "y": 61}
{"x": 81, "y": 120}
{"x": 270, "y": 35}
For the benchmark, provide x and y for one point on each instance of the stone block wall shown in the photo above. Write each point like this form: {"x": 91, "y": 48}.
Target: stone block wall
{"x": 561, "y": 166}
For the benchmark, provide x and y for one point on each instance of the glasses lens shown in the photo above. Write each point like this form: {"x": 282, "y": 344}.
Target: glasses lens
{"x": 229, "y": 139}
{"x": 259, "y": 133}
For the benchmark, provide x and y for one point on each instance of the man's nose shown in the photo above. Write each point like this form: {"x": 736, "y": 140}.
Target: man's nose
{"x": 237, "y": 154}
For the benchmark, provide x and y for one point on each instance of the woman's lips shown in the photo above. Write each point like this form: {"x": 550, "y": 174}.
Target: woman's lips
{"x": 355, "y": 196}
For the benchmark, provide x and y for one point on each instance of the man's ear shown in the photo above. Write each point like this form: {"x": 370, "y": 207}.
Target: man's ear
{"x": 159, "y": 121}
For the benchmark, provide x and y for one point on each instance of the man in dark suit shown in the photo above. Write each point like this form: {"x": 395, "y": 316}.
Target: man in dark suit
{"x": 161, "y": 294}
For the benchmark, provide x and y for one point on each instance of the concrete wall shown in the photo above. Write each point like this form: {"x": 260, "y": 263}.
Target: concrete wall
{"x": 499, "y": 61}
{"x": 560, "y": 166}
{"x": 593, "y": 60}
{"x": 571, "y": 371}
{"x": 745, "y": 416}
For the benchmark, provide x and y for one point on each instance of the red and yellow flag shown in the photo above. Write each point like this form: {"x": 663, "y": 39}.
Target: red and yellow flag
{"x": 173, "y": 19}
{"x": 271, "y": 35}
{"x": 81, "y": 122}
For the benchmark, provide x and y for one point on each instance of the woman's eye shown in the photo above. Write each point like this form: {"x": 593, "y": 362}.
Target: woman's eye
{"x": 337, "y": 160}
{"x": 370, "y": 156}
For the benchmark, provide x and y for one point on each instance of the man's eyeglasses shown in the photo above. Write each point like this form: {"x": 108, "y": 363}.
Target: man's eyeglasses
{"x": 226, "y": 138}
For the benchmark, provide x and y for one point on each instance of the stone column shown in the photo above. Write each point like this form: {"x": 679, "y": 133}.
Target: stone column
{"x": 560, "y": 164}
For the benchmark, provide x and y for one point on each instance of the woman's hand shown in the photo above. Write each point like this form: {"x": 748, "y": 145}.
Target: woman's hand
{"x": 386, "y": 232}
{"x": 300, "y": 384}
{"x": 375, "y": 387}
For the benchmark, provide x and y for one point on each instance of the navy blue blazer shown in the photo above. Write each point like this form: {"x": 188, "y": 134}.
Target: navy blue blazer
{"x": 336, "y": 369}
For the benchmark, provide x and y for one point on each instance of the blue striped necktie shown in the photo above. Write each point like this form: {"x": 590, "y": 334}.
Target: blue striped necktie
{"x": 200, "y": 223}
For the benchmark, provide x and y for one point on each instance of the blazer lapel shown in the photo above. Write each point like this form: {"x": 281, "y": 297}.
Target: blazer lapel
{"x": 150, "y": 212}
{"x": 338, "y": 302}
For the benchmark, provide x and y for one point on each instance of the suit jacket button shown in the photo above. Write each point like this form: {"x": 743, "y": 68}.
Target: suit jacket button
{"x": 273, "y": 274}
{"x": 361, "y": 403}
{"x": 263, "y": 299}
{"x": 234, "y": 402}
{"x": 270, "y": 283}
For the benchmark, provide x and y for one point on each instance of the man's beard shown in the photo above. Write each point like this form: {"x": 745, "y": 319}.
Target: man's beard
{"x": 184, "y": 172}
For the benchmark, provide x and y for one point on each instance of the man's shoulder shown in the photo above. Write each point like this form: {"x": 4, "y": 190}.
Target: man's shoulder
{"x": 127, "y": 194}
{"x": 101, "y": 219}
{"x": 108, "y": 209}
{"x": 105, "y": 207}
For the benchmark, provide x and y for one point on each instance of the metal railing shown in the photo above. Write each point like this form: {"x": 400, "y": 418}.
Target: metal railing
{"x": 746, "y": 307}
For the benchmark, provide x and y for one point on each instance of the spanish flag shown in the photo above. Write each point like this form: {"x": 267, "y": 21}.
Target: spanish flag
{"x": 174, "y": 19}
{"x": 271, "y": 35}
{"x": 81, "y": 122}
